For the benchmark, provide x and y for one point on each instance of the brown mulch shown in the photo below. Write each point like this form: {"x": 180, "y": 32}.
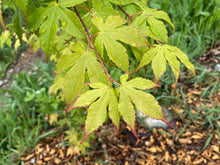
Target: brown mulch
{"x": 156, "y": 147}
{"x": 186, "y": 143}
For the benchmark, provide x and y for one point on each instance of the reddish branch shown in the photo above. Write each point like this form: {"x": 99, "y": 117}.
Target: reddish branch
{"x": 91, "y": 41}
{"x": 129, "y": 16}
{"x": 83, "y": 8}
{"x": 1, "y": 21}
{"x": 159, "y": 42}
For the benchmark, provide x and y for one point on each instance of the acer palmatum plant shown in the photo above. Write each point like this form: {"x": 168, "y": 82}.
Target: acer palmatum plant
{"x": 86, "y": 36}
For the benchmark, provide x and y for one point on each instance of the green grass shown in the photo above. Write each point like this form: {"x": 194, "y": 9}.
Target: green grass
{"x": 22, "y": 117}
{"x": 206, "y": 115}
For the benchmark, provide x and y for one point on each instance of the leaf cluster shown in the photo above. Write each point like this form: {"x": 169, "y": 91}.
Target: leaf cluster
{"x": 86, "y": 36}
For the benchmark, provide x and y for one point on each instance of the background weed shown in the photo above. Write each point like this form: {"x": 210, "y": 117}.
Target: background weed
{"x": 21, "y": 114}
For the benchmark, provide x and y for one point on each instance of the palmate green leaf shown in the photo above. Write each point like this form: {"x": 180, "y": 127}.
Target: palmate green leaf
{"x": 122, "y": 2}
{"x": 5, "y": 38}
{"x": 139, "y": 52}
{"x": 69, "y": 57}
{"x": 126, "y": 109}
{"x": 158, "y": 65}
{"x": 158, "y": 28}
{"x": 103, "y": 8}
{"x": 95, "y": 70}
{"x": 1, "y": 17}
{"x": 22, "y": 5}
{"x": 113, "y": 108}
{"x": 162, "y": 54}
{"x": 151, "y": 17}
{"x": 97, "y": 113}
{"x": 174, "y": 64}
{"x": 17, "y": 24}
{"x": 48, "y": 19}
{"x": 140, "y": 83}
{"x": 98, "y": 101}
{"x": 57, "y": 84}
{"x": 144, "y": 102}
{"x": 74, "y": 80}
{"x": 76, "y": 61}
{"x": 110, "y": 32}
{"x": 70, "y": 3}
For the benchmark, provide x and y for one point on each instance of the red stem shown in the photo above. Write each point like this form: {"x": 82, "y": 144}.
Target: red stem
{"x": 159, "y": 42}
{"x": 91, "y": 41}
{"x": 129, "y": 16}
{"x": 2, "y": 22}
{"x": 83, "y": 8}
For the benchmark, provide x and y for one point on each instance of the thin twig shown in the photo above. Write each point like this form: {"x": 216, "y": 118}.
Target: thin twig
{"x": 2, "y": 22}
{"x": 159, "y": 42}
{"x": 136, "y": 14}
{"x": 190, "y": 147}
{"x": 83, "y": 8}
{"x": 129, "y": 16}
{"x": 91, "y": 41}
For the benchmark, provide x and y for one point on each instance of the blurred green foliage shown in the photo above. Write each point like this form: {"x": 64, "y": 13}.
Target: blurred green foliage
{"x": 21, "y": 120}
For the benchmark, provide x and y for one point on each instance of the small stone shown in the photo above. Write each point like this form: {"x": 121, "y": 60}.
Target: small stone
{"x": 147, "y": 143}
{"x": 217, "y": 68}
{"x": 32, "y": 160}
{"x": 23, "y": 54}
{"x": 10, "y": 70}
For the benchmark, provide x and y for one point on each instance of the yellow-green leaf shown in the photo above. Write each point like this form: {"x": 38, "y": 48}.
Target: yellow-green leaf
{"x": 66, "y": 60}
{"x": 70, "y": 3}
{"x": 156, "y": 29}
{"x": 57, "y": 83}
{"x": 182, "y": 57}
{"x": 139, "y": 52}
{"x": 89, "y": 97}
{"x": 124, "y": 78}
{"x": 94, "y": 69}
{"x": 5, "y": 38}
{"x": 146, "y": 103}
{"x": 74, "y": 80}
{"x": 158, "y": 65}
{"x": 160, "y": 55}
{"x": 103, "y": 8}
{"x": 97, "y": 113}
{"x": 126, "y": 108}
{"x": 122, "y": 2}
{"x": 173, "y": 62}
{"x": 97, "y": 85}
{"x": 48, "y": 20}
{"x": 98, "y": 100}
{"x": 113, "y": 30}
{"x": 1, "y": 17}
{"x": 140, "y": 83}
{"x": 131, "y": 36}
{"x": 73, "y": 63}
{"x": 147, "y": 57}
{"x": 113, "y": 108}
{"x": 53, "y": 118}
